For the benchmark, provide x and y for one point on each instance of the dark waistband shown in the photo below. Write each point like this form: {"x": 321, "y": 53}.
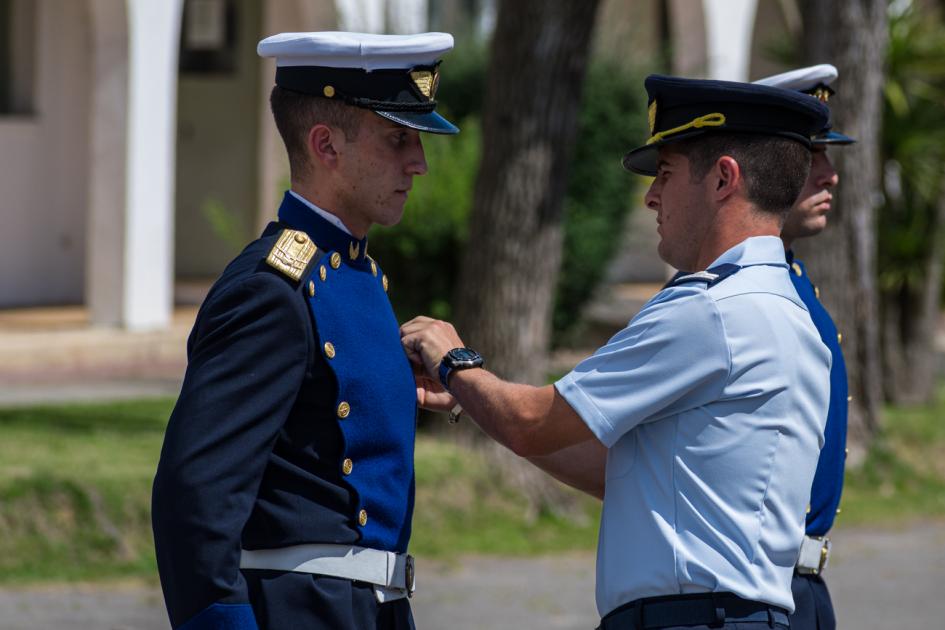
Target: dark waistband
{"x": 691, "y": 610}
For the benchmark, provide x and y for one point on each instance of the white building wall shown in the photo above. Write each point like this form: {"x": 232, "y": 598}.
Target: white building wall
{"x": 43, "y": 167}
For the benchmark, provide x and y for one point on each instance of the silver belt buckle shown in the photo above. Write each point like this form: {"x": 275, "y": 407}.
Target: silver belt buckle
{"x": 410, "y": 576}
{"x": 824, "y": 556}
{"x": 814, "y": 556}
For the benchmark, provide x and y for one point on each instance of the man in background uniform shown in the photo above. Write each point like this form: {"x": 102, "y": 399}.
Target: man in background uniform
{"x": 284, "y": 494}
{"x": 700, "y": 423}
{"x": 808, "y": 217}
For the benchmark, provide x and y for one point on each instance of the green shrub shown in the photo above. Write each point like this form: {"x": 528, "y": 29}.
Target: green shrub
{"x": 913, "y": 151}
{"x": 600, "y": 192}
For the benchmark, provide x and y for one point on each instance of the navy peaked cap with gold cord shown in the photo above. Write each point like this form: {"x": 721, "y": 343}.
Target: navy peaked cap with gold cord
{"x": 685, "y": 108}
{"x": 813, "y": 80}
{"x": 395, "y": 76}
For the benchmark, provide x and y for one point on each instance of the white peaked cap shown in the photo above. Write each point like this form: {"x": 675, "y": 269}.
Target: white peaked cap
{"x": 367, "y": 51}
{"x": 802, "y": 79}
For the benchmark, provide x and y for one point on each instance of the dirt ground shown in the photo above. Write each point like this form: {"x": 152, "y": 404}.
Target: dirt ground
{"x": 880, "y": 579}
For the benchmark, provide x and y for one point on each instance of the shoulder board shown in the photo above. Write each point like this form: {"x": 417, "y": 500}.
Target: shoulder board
{"x": 291, "y": 253}
{"x": 710, "y": 277}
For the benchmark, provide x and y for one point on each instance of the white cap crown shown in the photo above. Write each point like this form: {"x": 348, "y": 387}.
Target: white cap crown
{"x": 365, "y": 51}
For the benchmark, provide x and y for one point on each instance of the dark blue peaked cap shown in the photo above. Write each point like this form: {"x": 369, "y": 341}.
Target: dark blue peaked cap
{"x": 685, "y": 108}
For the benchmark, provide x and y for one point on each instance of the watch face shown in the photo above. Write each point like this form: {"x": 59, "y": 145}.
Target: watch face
{"x": 463, "y": 358}
{"x": 465, "y": 354}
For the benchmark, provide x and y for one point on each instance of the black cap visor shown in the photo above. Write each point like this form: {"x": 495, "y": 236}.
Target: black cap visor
{"x": 832, "y": 137}
{"x": 430, "y": 122}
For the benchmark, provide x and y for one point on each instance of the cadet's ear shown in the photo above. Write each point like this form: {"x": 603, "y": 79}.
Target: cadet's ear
{"x": 320, "y": 145}
{"x": 728, "y": 177}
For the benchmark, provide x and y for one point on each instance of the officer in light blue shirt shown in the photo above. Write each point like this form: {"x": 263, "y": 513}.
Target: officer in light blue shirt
{"x": 700, "y": 423}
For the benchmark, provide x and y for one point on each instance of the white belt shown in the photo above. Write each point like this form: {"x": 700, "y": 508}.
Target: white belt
{"x": 392, "y": 574}
{"x": 812, "y": 559}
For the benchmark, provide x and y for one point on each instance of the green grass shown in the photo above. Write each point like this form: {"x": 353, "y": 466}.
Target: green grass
{"x": 903, "y": 476}
{"x": 464, "y": 505}
{"x": 75, "y": 492}
{"x": 75, "y": 483}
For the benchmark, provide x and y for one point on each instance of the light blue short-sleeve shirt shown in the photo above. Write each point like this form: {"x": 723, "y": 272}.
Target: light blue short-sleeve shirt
{"x": 712, "y": 404}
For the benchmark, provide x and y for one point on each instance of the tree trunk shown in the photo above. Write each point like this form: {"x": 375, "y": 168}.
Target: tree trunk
{"x": 910, "y": 319}
{"x": 507, "y": 282}
{"x": 852, "y": 35}
{"x": 536, "y": 72}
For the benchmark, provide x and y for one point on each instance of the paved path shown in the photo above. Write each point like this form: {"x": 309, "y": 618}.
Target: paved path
{"x": 880, "y": 579}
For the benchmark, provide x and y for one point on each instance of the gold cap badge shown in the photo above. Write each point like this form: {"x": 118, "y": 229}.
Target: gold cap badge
{"x": 427, "y": 81}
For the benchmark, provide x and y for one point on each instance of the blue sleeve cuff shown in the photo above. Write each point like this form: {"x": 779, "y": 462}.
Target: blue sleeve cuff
{"x": 222, "y": 617}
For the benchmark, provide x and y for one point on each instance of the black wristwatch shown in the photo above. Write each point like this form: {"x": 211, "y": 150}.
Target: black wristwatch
{"x": 457, "y": 359}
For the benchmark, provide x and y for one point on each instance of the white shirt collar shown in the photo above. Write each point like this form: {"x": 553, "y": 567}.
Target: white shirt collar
{"x": 334, "y": 220}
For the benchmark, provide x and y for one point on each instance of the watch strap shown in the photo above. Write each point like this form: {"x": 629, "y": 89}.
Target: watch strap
{"x": 444, "y": 372}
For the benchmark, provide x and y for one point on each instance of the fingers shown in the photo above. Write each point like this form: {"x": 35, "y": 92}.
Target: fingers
{"x": 432, "y": 396}
{"x": 429, "y": 338}
{"x": 417, "y": 321}
{"x": 419, "y": 352}
{"x": 430, "y": 383}
{"x": 435, "y": 402}
{"x": 434, "y": 328}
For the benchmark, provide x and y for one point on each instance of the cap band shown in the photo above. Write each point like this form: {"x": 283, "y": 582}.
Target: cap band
{"x": 385, "y": 90}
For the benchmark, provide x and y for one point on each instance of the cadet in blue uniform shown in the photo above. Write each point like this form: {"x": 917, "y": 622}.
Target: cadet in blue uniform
{"x": 700, "y": 423}
{"x": 808, "y": 217}
{"x": 284, "y": 494}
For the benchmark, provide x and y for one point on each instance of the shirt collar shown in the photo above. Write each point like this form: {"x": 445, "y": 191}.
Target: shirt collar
{"x": 322, "y": 213}
{"x": 756, "y": 250}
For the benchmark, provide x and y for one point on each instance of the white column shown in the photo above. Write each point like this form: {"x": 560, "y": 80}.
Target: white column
{"x": 380, "y": 16}
{"x": 148, "y": 283}
{"x": 407, "y": 16}
{"x": 365, "y": 16}
{"x": 729, "y": 27}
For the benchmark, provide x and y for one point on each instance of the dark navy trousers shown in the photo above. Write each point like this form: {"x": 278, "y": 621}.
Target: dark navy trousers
{"x": 813, "y": 609}
{"x": 286, "y": 601}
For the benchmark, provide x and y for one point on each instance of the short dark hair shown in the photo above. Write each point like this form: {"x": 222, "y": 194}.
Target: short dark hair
{"x": 774, "y": 168}
{"x": 295, "y": 114}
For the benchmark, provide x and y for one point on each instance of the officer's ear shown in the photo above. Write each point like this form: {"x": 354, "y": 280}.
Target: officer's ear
{"x": 320, "y": 144}
{"x": 727, "y": 177}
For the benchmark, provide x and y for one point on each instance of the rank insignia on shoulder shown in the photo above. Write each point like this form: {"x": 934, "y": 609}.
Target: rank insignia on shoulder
{"x": 710, "y": 277}
{"x": 292, "y": 253}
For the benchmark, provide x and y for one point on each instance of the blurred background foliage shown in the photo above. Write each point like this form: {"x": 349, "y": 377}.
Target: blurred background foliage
{"x": 913, "y": 147}
{"x": 423, "y": 252}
